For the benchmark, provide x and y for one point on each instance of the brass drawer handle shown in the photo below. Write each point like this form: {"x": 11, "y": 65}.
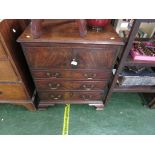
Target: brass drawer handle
{"x": 56, "y": 74}
{"x": 54, "y": 86}
{"x": 56, "y": 97}
{"x": 1, "y": 93}
{"x": 90, "y": 75}
{"x": 87, "y": 87}
{"x": 86, "y": 97}
{"x": 48, "y": 74}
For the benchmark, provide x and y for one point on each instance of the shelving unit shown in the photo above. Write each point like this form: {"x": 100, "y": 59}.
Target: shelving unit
{"x": 126, "y": 60}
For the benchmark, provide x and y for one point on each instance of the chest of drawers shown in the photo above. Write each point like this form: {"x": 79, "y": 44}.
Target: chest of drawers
{"x": 16, "y": 85}
{"x": 67, "y": 68}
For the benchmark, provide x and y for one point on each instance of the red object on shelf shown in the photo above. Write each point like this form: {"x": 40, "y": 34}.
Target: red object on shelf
{"x": 98, "y": 22}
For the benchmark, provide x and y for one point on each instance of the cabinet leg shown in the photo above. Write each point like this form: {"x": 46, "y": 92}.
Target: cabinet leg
{"x": 98, "y": 106}
{"x": 29, "y": 106}
{"x": 44, "y": 107}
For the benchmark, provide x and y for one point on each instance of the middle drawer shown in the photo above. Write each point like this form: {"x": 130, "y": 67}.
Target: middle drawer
{"x": 70, "y": 85}
{"x": 72, "y": 74}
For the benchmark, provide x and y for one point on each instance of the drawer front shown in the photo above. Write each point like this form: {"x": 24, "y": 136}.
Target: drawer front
{"x": 6, "y": 72}
{"x": 2, "y": 52}
{"x": 70, "y": 85}
{"x": 12, "y": 92}
{"x": 60, "y": 95}
{"x": 68, "y": 58}
{"x": 72, "y": 74}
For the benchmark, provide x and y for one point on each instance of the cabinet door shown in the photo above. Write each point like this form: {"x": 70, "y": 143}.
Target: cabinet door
{"x": 6, "y": 72}
{"x": 91, "y": 58}
{"x": 48, "y": 57}
{"x": 70, "y": 58}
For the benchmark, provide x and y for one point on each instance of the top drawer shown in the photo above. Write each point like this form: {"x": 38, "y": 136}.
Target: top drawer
{"x": 70, "y": 58}
{"x": 2, "y": 52}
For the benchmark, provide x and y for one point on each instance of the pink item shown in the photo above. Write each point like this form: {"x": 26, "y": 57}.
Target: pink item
{"x": 137, "y": 56}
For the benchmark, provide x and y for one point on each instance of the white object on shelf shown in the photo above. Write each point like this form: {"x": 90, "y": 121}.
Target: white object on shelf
{"x": 148, "y": 28}
{"x": 137, "y": 81}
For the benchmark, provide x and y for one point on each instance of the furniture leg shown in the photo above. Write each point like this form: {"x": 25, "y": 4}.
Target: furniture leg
{"x": 98, "y": 106}
{"x": 44, "y": 107}
{"x": 29, "y": 106}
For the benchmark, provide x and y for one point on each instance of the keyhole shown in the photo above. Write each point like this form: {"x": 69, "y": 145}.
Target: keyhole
{"x": 74, "y": 62}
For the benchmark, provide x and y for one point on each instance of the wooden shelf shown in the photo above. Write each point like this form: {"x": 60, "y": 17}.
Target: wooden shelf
{"x": 144, "y": 89}
{"x": 131, "y": 62}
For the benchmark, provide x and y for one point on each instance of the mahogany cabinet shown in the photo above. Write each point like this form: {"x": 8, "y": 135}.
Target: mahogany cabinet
{"x": 16, "y": 85}
{"x": 68, "y": 68}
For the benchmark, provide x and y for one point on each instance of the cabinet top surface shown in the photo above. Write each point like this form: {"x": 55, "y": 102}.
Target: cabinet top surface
{"x": 61, "y": 31}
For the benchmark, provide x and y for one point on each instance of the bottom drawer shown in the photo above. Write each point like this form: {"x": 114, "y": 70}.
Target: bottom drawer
{"x": 12, "y": 92}
{"x": 60, "y": 95}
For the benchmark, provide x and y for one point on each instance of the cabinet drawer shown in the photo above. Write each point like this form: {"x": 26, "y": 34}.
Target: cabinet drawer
{"x": 72, "y": 74}
{"x": 70, "y": 58}
{"x": 2, "y": 52}
{"x": 12, "y": 92}
{"x": 70, "y": 85}
{"x": 60, "y": 95}
{"x": 6, "y": 72}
